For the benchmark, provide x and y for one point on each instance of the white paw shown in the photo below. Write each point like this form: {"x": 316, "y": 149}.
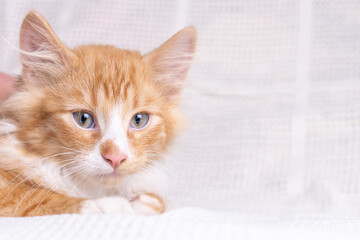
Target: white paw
{"x": 148, "y": 204}
{"x": 107, "y": 205}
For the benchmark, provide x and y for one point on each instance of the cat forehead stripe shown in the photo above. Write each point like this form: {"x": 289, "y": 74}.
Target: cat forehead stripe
{"x": 115, "y": 130}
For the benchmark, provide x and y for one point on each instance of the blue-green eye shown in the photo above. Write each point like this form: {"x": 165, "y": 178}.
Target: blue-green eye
{"x": 84, "y": 119}
{"x": 139, "y": 120}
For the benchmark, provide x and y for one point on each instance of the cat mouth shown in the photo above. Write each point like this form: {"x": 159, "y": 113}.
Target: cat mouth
{"x": 113, "y": 174}
{"x": 110, "y": 179}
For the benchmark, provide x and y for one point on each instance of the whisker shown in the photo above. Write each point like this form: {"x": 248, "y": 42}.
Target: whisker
{"x": 24, "y": 180}
{"x": 32, "y": 190}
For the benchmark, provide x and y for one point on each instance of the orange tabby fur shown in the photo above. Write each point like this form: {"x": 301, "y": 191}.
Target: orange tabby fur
{"x": 37, "y": 130}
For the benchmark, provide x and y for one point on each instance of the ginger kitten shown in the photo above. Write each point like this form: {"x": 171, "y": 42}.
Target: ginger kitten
{"x": 86, "y": 128}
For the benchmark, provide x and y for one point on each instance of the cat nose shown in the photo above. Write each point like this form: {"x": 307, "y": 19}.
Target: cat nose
{"x": 114, "y": 159}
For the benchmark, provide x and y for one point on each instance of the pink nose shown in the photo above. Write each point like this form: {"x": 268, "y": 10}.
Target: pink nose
{"x": 114, "y": 159}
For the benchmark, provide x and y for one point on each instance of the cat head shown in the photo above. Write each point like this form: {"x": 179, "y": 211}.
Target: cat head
{"x": 97, "y": 110}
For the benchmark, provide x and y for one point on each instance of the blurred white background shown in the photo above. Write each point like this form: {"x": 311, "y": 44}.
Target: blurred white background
{"x": 273, "y": 97}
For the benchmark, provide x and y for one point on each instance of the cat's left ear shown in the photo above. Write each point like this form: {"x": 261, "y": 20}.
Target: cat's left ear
{"x": 43, "y": 56}
{"x": 171, "y": 61}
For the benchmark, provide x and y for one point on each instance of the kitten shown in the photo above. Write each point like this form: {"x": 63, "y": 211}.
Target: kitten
{"x": 86, "y": 128}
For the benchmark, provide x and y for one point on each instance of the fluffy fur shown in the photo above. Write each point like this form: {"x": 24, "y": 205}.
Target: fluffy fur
{"x": 49, "y": 165}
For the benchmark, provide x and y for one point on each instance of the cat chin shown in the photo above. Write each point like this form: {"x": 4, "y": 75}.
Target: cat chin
{"x": 109, "y": 179}
{"x": 111, "y": 182}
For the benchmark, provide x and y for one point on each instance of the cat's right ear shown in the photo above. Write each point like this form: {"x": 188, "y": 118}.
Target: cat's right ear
{"x": 171, "y": 61}
{"x": 43, "y": 56}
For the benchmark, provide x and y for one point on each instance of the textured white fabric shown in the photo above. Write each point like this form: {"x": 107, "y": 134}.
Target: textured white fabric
{"x": 273, "y": 102}
{"x": 179, "y": 224}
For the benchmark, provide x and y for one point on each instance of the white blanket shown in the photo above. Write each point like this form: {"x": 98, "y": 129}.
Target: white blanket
{"x": 185, "y": 223}
{"x": 272, "y": 148}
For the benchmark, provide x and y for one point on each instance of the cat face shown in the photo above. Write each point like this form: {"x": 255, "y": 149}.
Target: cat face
{"x": 98, "y": 111}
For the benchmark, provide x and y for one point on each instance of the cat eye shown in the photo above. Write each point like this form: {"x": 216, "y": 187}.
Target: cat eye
{"x": 139, "y": 120}
{"x": 84, "y": 119}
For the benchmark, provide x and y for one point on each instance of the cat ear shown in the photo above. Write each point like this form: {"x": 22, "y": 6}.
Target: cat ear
{"x": 171, "y": 61}
{"x": 43, "y": 56}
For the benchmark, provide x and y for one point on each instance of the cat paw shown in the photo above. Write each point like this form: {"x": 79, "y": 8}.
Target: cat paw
{"x": 107, "y": 205}
{"x": 148, "y": 204}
